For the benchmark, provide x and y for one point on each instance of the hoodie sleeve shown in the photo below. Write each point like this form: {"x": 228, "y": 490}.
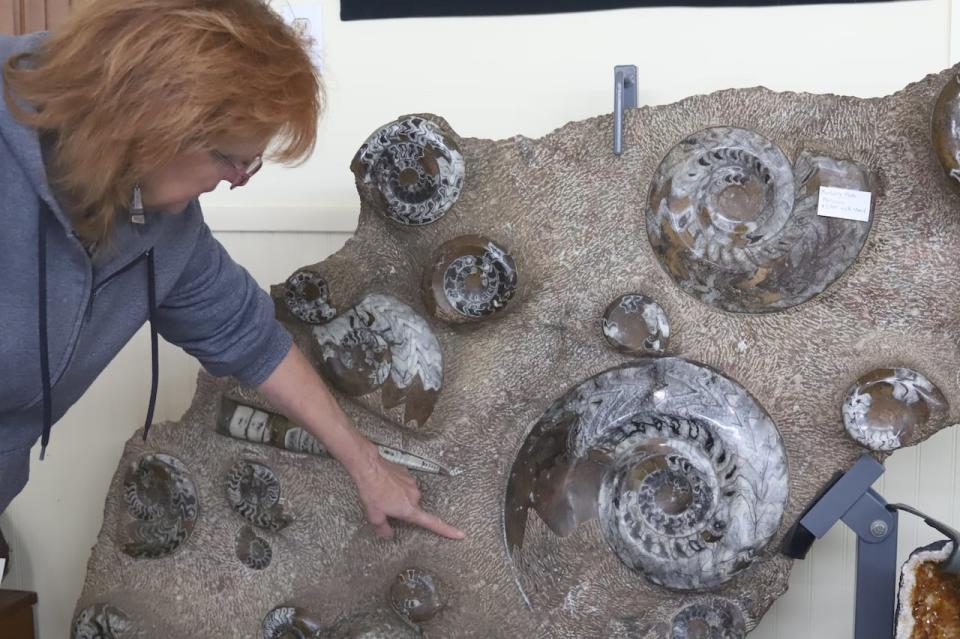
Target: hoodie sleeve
{"x": 218, "y": 313}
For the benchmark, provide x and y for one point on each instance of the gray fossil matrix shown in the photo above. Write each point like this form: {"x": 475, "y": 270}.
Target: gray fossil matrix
{"x": 575, "y": 219}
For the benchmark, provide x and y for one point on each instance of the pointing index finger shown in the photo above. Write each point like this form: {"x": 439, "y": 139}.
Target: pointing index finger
{"x": 434, "y": 524}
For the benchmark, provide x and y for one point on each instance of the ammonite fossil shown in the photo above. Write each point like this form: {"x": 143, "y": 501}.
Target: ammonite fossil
{"x": 737, "y": 227}
{"x": 685, "y": 470}
{"x": 308, "y": 297}
{"x": 469, "y": 278}
{"x": 928, "y": 601}
{"x": 709, "y": 619}
{"x": 382, "y": 345}
{"x": 253, "y": 551}
{"x": 163, "y": 498}
{"x": 255, "y": 425}
{"x": 637, "y": 325}
{"x": 416, "y": 595}
{"x": 253, "y": 491}
{"x": 288, "y": 622}
{"x": 101, "y": 621}
{"x": 416, "y": 166}
{"x": 885, "y": 409}
{"x": 946, "y": 129}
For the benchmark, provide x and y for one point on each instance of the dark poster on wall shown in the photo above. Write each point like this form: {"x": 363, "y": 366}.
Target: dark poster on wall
{"x": 372, "y": 9}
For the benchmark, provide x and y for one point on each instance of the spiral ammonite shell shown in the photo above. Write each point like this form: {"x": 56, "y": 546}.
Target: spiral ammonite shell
{"x": 417, "y": 167}
{"x": 470, "y": 278}
{"x": 885, "y": 409}
{"x": 416, "y": 595}
{"x": 713, "y": 618}
{"x": 101, "y": 621}
{"x": 253, "y": 491}
{"x": 737, "y": 227}
{"x": 161, "y": 495}
{"x": 685, "y": 470}
{"x": 308, "y": 297}
{"x": 636, "y": 325}
{"x": 253, "y": 551}
{"x": 288, "y": 622}
{"x": 381, "y": 344}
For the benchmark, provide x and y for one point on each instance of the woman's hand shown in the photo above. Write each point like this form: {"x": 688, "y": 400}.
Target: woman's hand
{"x": 388, "y": 490}
{"x": 385, "y": 489}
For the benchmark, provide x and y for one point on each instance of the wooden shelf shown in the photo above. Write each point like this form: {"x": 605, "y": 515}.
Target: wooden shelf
{"x": 16, "y": 614}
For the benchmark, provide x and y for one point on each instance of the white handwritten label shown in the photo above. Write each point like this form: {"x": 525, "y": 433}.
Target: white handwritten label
{"x": 844, "y": 203}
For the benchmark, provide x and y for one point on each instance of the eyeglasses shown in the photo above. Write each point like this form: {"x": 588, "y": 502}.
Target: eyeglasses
{"x": 241, "y": 174}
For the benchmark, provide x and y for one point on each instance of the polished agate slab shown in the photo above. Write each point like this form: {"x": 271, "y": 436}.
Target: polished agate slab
{"x": 684, "y": 469}
{"x": 735, "y": 223}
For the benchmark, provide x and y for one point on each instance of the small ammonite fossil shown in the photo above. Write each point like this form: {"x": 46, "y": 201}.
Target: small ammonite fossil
{"x": 713, "y": 618}
{"x": 101, "y": 621}
{"x": 288, "y": 622}
{"x": 308, "y": 297}
{"x": 635, "y": 324}
{"x": 416, "y": 166}
{"x": 381, "y": 344}
{"x": 163, "y": 498}
{"x": 253, "y": 551}
{"x": 886, "y": 408}
{"x": 469, "y": 278}
{"x": 416, "y": 595}
{"x": 253, "y": 491}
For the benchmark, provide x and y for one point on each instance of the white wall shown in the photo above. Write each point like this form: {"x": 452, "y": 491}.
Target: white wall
{"x": 496, "y": 77}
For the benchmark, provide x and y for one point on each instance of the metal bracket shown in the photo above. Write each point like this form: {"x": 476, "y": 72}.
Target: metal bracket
{"x": 849, "y": 498}
{"x": 624, "y": 97}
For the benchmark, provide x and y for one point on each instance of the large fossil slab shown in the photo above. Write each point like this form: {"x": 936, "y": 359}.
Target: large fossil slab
{"x": 574, "y": 218}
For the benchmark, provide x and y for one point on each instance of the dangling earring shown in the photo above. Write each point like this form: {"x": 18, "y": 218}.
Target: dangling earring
{"x": 136, "y": 206}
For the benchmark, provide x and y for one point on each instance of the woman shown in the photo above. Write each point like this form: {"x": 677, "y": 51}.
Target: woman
{"x": 110, "y": 129}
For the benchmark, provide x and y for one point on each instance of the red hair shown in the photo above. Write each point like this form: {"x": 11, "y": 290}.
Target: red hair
{"x": 126, "y": 85}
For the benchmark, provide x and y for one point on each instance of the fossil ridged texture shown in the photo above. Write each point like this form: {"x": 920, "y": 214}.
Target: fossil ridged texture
{"x": 101, "y": 621}
{"x": 253, "y": 491}
{"x": 572, "y": 215}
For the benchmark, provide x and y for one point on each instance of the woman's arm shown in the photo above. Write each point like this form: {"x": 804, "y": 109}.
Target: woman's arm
{"x": 385, "y": 489}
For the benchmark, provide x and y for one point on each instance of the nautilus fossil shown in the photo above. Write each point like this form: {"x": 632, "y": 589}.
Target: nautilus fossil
{"x": 469, "y": 278}
{"x": 635, "y": 324}
{"x": 946, "y": 128}
{"x": 253, "y": 491}
{"x": 885, "y": 408}
{"x": 416, "y": 166}
{"x": 308, "y": 297}
{"x": 685, "y": 470}
{"x": 416, "y": 595}
{"x": 253, "y": 551}
{"x": 383, "y": 346}
{"x": 736, "y": 226}
{"x": 162, "y": 497}
{"x": 255, "y": 425}
{"x": 289, "y": 622}
{"x": 101, "y": 621}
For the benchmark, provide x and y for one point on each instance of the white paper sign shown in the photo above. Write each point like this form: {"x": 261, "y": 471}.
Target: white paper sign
{"x": 844, "y": 203}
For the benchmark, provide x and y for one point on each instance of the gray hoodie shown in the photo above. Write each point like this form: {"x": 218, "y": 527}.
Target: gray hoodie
{"x": 201, "y": 300}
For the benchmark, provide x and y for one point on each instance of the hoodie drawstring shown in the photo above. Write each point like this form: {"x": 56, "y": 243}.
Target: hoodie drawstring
{"x": 44, "y": 347}
{"x": 44, "y": 353}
